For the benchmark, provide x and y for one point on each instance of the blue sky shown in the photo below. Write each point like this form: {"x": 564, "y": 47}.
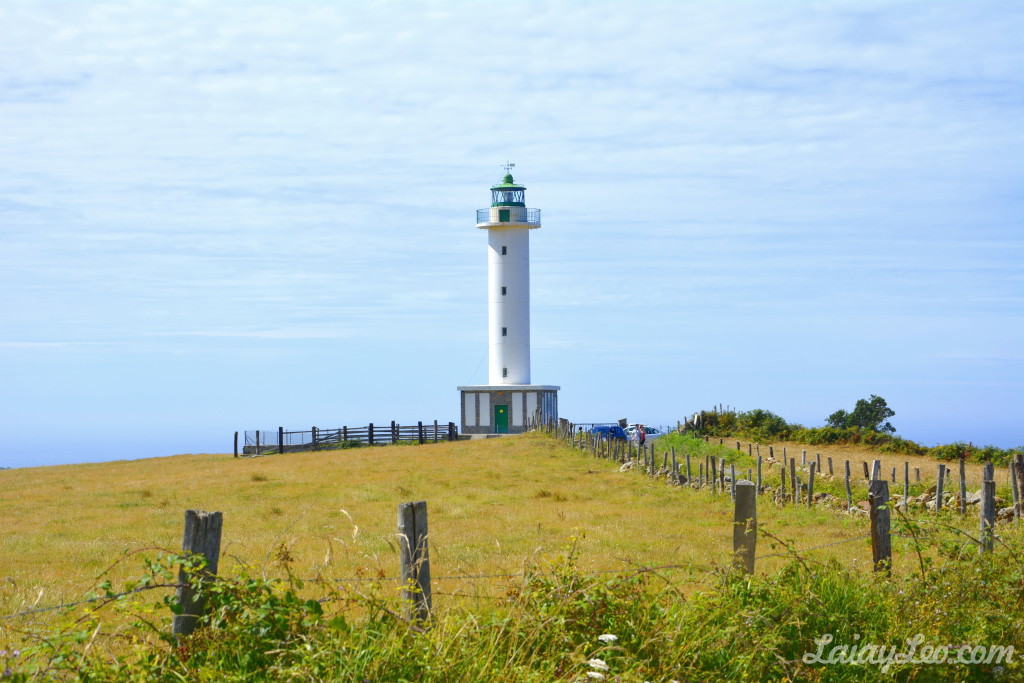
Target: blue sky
{"x": 220, "y": 216}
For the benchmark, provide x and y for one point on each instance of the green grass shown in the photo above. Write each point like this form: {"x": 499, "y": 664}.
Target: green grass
{"x": 572, "y": 534}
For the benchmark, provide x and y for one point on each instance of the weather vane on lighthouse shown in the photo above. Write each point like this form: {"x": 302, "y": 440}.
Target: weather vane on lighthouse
{"x": 508, "y": 402}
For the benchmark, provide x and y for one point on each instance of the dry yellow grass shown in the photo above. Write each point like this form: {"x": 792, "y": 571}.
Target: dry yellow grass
{"x": 494, "y": 505}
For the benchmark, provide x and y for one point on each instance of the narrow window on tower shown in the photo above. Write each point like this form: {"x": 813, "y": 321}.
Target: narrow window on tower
{"x": 504, "y": 291}
{"x": 504, "y": 332}
{"x": 504, "y": 251}
{"x": 504, "y": 372}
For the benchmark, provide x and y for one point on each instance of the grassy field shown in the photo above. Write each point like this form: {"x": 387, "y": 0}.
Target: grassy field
{"x": 497, "y": 507}
{"x": 494, "y": 505}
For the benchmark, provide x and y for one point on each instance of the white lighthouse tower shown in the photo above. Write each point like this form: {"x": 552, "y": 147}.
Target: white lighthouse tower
{"x": 508, "y": 401}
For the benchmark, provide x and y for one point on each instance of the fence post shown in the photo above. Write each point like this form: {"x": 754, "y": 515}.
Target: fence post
{"x": 394, "y": 434}
{"x": 876, "y": 469}
{"x": 201, "y": 537}
{"x": 803, "y": 458}
{"x": 917, "y": 475}
{"x": 792, "y": 480}
{"x": 258, "y": 442}
{"x": 782, "y": 484}
{"x": 369, "y": 434}
{"x": 810, "y": 484}
{"x": 1018, "y": 476}
{"x": 830, "y": 472}
{"x": 849, "y": 492}
{"x": 435, "y": 431}
{"x": 732, "y": 481}
{"x": 419, "y": 428}
{"x": 906, "y": 485}
{"x": 280, "y": 439}
{"x": 939, "y": 486}
{"x": 744, "y": 529}
{"x": 867, "y": 475}
{"x": 414, "y": 559}
{"x": 881, "y": 542}
{"x": 963, "y": 486}
{"x": 988, "y": 514}
{"x": 759, "y": 475}
{"x": 236, "y": 447}
{"x": 451, "y": 431}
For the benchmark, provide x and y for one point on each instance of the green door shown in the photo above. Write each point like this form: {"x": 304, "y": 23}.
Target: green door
{"x": 501, "y": 419}
{"x": 504, "y": 215}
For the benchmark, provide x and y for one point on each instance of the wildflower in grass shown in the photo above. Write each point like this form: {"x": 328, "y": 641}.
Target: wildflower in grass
{"x": 607, "y": 637}
{"x": 598, "y": 664}
{"x": 595, "y": 676}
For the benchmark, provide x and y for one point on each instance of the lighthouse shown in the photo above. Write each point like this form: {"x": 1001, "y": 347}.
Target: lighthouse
{"x": 508, "y": 401}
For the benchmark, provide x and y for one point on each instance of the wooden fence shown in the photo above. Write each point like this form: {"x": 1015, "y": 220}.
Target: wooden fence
{"x": 787, "y": 484}
{"x": 262, "y": 442}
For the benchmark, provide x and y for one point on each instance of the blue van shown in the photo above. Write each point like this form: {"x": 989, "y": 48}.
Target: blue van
{"x": 610, "y": 431}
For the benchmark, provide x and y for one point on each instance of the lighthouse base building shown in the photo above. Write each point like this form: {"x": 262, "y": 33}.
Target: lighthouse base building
{"x": 507, "y": 408}
{"x": 509, "y": 403}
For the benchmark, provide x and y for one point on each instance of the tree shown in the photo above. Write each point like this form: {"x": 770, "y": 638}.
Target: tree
{"x": 872, "y": 413}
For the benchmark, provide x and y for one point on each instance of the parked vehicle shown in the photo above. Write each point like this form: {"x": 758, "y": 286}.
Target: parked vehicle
{"x": 651, "y": 432}
{"x": 610, "y": 431}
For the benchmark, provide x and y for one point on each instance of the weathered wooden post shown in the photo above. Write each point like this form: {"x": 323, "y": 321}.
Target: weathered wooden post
{"x": 830, "y": 472}
{"x": 689, "y": 482}
{"x": 201, "y": 537}
{"x": 893, "y": 475}
{"x": 803, "y": 458}
{"x": 758, "y": 474}
{"x": 721, "y": 477}
{"x": 876, "y": 469}
{"x": 257, "y": 442}
{"x": 419, "y": 429}
{"x": 744, "y": 530}
{"x": 881, "y": 542}
{"x": 782, "y": 484}
{"x": 280, "y": 439}
{"x": 938, "y": 487}
{"x": 369, "y": 434}
{"x": 810, "y": 484}
{"x": 906, "y": 485}
{"x": 917, "y": 475}
{"x": 1013, "y": 486}
{"x": 963, "y": 486}
{"x": 792, "y": 480}
{"x": 849, "y": 492}
{"x": 817, "y": 459}
{"x": 236, "y": 444}
{"x": 1018, "y": 475}
{"x": 732, "y": 481}
{"x": 415, "y": 559}
{"x": 867, "y": 475}
{"x": 750, "y": 449}
{"x": 988, "y": 515}
{"x": 700, "y": 469}
{"x": 394, "y": 433}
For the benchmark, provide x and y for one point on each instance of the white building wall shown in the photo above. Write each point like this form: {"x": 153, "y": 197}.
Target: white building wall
{"x": 517, "y": 409}
{"x": 485, "y": 409}
{"x": 509, "y": 311}
{"x": 531, "y": 404}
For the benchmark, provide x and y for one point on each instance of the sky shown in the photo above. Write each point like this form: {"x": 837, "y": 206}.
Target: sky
{"x": 227, "y": 216}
